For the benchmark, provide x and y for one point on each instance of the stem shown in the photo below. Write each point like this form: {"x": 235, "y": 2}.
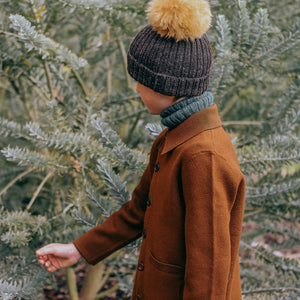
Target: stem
{"x": 133, "y": 127}
{"x": 92, "y": 282}
{"x": 81, "y": 83}
{"x": 107, "y": 292}
{"x": 38, "y": 190}
{"x": 9, "y": 33}
{"x": 124, "y": 59}
{"x": 105, "y": 277}
{"x": 271, "y": 290}
{"x": 38, "y": 87}
{"x": 108, "y": 77}
{"x": 243, "y": 123}
{"x": 253, "y": 213}
{"x": 15, "y": 180}
{"x": 48, "y": 76}
{"x": 23, "y": 98}
{"x": 229, "y": 106}
{"x": 71, "y": 281}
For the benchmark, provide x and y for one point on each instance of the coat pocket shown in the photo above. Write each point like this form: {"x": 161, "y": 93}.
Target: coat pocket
{"x": 161, "y": 281}
{"x": 165, "y": 267}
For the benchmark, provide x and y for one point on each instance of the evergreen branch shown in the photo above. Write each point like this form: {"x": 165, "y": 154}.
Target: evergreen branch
{"x": 265, "y": 159}
{"x": 273, "y": 191}
{"x": 244, "y": 25}
{"x": 67, "y": 141}
{"x": 116, "y": 186}
{"x": 260, "y": 30}
{"x": 38, "y": 190}
{"x": 81, "y": 83}
{"x": 284, "y": 103}
{"x": 18, "y": 227}
{"x": 284, "y": 265}
{"x": 154, "y": 128}
{"x": 271, "y": 290}
{"x": 26, "y": 157}
{"x": 272, "y": 226}
{"x": 49, "y": 81}
{"x": 11, "y": 289}
{"x": 45, "y": 45}
{"x": 106, "y": 207}
{"x": 124, "y": 60}
{"x": 131, "y": 158}
{"x": 16, "y": 238}
{"x": 39, "y": 87}
{"x": 90, "y": 4}
{"x": 242, "y": 123}
{"x": 23, "y": 174}
{"x": 11, "y": 128}
{"x": 131, "y": 115}
{"x": 278, "y": 47}
{"x": 90, "y": 222}
{"x": 222, "y": 69}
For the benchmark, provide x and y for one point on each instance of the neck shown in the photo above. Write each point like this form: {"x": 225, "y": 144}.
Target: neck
{"x": 183, "y": 109}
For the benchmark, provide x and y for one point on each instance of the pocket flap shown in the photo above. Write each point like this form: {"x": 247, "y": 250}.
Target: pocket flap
{"x": 168, "y": 268}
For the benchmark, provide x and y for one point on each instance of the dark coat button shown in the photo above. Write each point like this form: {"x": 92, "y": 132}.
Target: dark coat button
{"x": 144, "y": 233}
{"x": 141, "y": 266}
{"x": 148, "y": 201}
{"x": 156, "y": 168}
{"x": 137, "y": 297}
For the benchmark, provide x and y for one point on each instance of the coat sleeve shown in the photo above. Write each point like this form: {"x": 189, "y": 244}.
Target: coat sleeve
{"x": 213, "y": 222}
{"x": 123, "y": 226}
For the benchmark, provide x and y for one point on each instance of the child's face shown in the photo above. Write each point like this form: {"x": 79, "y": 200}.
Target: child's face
{"x": 154, "y": 101}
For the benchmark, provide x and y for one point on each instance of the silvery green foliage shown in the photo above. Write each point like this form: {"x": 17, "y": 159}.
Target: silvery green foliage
{"x": 91, "y": 4}
{"x": 44, "y": 45}
{"x": 87, "y": 129}
{"x": 15, "y": 290}
{"x": 244, "y": 48}
{"x": 154, "y": 128}
{"x": 117, "y": 188}
{"x": 135, "y": 160}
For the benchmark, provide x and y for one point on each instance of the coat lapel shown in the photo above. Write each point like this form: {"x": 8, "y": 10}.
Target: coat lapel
{"x": 204, "y": 119}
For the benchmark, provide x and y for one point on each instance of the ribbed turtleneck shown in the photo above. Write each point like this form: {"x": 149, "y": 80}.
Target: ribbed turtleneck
{"x": 180, "y": 111}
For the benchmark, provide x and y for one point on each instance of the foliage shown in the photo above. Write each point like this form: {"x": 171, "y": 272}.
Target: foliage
{"x": 74, "y": 144}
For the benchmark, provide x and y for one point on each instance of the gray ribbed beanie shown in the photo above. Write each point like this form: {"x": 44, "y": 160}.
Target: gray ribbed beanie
{"x": 173, "y": 57}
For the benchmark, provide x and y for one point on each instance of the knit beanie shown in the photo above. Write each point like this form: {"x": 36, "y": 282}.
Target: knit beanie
{"x": 172, "y": 54}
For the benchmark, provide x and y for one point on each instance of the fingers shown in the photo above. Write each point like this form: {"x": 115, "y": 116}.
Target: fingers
{"x": 47, "y": 264}
{"x": 51, "y": 269}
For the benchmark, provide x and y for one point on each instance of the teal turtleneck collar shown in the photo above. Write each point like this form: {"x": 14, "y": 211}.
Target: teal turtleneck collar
{"x": 180, "y": 111}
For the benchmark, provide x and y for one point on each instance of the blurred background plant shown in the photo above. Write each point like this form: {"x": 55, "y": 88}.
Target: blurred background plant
{"x": 74, "y": 142}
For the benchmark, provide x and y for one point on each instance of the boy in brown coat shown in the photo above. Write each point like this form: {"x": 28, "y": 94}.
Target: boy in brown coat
{"x": 188, "y": 206}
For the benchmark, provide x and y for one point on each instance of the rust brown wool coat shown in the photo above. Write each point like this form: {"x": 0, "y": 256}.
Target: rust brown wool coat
{"x": 188, "y": 207}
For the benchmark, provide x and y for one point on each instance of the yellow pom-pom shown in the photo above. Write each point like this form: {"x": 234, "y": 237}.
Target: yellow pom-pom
{"x": 180, "y": 19}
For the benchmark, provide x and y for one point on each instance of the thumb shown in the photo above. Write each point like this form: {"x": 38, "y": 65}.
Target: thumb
{"x": 46, "y": 250}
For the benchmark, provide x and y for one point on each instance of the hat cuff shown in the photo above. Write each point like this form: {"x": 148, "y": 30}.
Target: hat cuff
{"x": 166, "y": 84}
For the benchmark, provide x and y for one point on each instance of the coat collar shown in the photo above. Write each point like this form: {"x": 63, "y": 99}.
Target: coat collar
{"x": 207, "y": 118}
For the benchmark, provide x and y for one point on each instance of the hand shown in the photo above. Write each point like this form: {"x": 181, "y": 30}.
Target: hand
{"x": 57, "y": 256}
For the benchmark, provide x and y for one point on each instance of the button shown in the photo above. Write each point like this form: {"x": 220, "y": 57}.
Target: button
{"x": 148, "y": 201}
{"x": 141, "y": 266}
{"x": 156, "y": 168}
{"x": 137, "y": 297}
{"x": 144, "y": 234}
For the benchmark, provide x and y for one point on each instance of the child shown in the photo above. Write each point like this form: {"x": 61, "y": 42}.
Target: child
{"x": 188, "y": 206}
